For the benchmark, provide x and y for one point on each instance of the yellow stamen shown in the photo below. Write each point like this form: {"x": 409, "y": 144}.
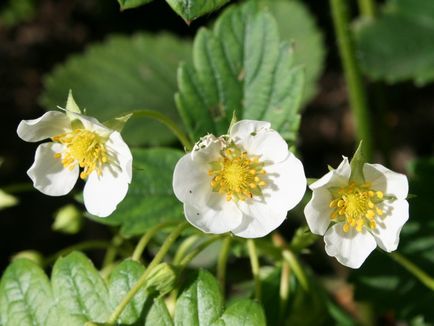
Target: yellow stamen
{"x": 356, "y": 206}
{"x": 237, "y": 175}
{"x": 85, "y": 148}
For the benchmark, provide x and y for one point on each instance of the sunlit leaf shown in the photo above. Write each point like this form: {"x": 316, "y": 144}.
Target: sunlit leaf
{"x": 121, "y": 75}
{"x": 240, "y": 66}
{"x": 79, "y": 289}
{"x": 201, "y": 303}
{"x": 26, "y": 297}
{"x": 192, "y": 9}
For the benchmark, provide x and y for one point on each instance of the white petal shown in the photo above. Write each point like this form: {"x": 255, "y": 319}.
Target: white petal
{"x": 91, "y": 123}
{"x": 191, "y": 183}
{"x": 385, "y": 180}
{"x": 48, "y": 174}
{"x": 390, "y": 224}
{"x": 318, "y": 212}
{"x": 286, "y": 184}
{"x": 50, "y": 124}
{"x": 259, "y": 219}
{"x": 350, "y": 248}
{"x": 103, "y": 193}
{"x": 121, "y": 152}
{"x": 207, "y": 149}
{"x": 244, "y": 128}
{"x": 219, "y": 217}
{"x": 336, "y": 178}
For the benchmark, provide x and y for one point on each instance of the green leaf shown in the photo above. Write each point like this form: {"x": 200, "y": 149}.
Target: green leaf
{"x": 201, "y": 303}
{"x": 157, "y": 315}
{"x": 240, "y": 66}
{"x": 399, "y": 45}
{"x": 150, "y": 199}
{"x": 244, "y": 312}
{"x": 298, "y": 27}
{"x": 25, "y": 296}
{"x": 128, "y": 4}
{"x": 380, "y": 275}
{"x": 121, "y": 75}
{"x": 192, "y": 9}
{"x": 122, "y": 279}
{"x": 79, "y": 289}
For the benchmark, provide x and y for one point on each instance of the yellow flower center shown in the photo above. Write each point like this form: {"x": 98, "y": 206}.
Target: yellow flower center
{"x": 357, "y": 206}
{"x": 84, "y": 147}
{"x": 237, "y": 175}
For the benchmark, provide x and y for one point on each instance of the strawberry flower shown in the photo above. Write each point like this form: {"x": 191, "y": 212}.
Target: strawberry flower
{"x": 244, "y": 182}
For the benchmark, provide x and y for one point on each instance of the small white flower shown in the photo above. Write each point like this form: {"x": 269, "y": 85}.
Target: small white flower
{"x": 79, "y": 141}
{"x": 243, "y": 183}
{"x": 362, "y": 215}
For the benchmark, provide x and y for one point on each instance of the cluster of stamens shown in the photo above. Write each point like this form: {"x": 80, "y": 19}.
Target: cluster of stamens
{"x": 84, "y": 147}
{"x": 237, "y": 175}
{"x": 357, "y": 206}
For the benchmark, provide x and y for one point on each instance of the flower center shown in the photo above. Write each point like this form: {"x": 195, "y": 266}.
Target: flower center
{"x": 84, "y": 147}
{"x": 237, "y": 175}
{"x": 357, "y": 206}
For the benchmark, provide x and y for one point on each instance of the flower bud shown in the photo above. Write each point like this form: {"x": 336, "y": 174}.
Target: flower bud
{"x": 32, "y": 255}
{"x": 7, "y": 200}
{"x": 161, "y": 278}
{"x": 68, "y": 219}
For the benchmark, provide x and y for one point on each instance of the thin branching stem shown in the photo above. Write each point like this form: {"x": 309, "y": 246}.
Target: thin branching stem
{"x": 254, "y": 263}
{"x": 169, "y": 123}
{"x": 144, "y": 240}
{"x": 223, "y": 261}
{"x": 142, "y": 280}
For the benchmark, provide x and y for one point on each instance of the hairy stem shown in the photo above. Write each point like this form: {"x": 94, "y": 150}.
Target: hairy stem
{"x": 254, "y": 263}
{"x": 188, "y": 258}
{"x": 144, "y": 240}
{"x": 142, "y": 280}
{"x": 112, "y": 251}
{"x": 356, "y": 90}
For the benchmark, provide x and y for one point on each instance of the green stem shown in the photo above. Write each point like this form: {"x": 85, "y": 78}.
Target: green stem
{"x": 144, "y": 240}
{"x": 367, "y": 8}
{"x": 296, "y": 267}
{"x": 188, "y": 258}
{"x": 357, "y": 93}
{"x": 142, "y": 280}
{"x": 87, "y": 245}
{"x": 254, "y": 263}
{"x": 183, "y": 248}
{"x": 284, "y": 290}
{"x": 169, "y": 123}
{"x": 223, "y": 261}
{"x": 112, "y": 251}
{"x": 421, "y": 275}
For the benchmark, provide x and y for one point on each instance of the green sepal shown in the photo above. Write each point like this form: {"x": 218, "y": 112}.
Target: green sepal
{"x": 118, "y": 123}
{"x": 356, "y": 164}
{"x": 234, "y": 120}
{"x": 71, "y": 105}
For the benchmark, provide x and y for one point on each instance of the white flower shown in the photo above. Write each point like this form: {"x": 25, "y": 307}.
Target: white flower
{"x": 244, "y": 182}
{"x": 79, "y": 141}
{"x": 362, "y": 215}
